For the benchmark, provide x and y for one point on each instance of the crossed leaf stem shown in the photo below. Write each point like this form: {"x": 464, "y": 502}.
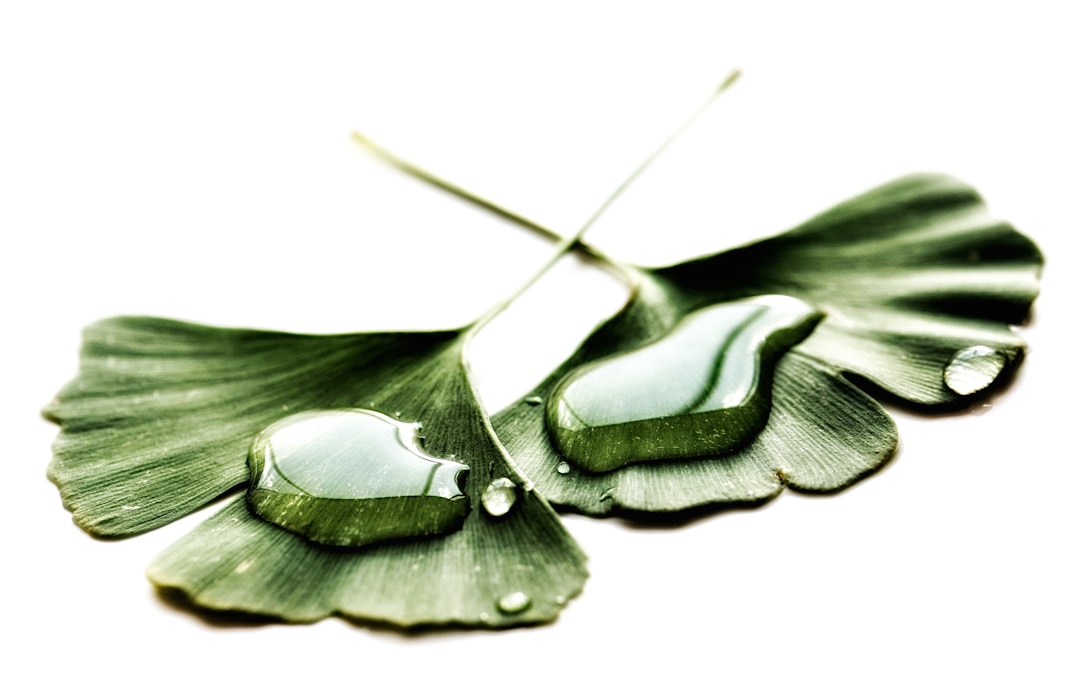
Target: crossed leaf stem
{"x": 565, "y": 244}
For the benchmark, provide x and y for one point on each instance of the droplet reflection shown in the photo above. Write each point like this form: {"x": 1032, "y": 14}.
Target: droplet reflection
{"x": 352, "y": 478}
{"x": 704, "y": 388}
{"x": 973, "y": 368}
{"x": 499, "y": 497}
{"x": 513, "y": 603}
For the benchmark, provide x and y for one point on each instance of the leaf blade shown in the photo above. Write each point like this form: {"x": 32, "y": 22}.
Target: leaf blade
{"x": 158, "y": 421}
{"x": 876, "y": 265}
{"x": 418, "y": 377}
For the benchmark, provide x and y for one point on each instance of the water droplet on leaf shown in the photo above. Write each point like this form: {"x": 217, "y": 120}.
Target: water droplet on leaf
{"x": 973, "y": 368}
{"x": 352, "y": 478}
{"x": 534, "y": 400}
{"x": 563, "y": 468}
{"x": 703, "y": 388}
{"x": 513, "y": 603}
{"x": 499, "y": 497}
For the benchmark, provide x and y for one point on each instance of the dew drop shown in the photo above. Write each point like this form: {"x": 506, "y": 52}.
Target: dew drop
{"x": 534, "y": 400}
{"x": 563, "y": 468}
{"x": 499, "y": 497}
{"x": 353, "y": 478}
{"x": 513, "y": 603}
{"x": 973, "y": 368}
{"x": 704, "y": 388}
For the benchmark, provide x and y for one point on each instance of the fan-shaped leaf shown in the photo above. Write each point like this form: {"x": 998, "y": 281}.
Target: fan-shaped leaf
{"x": 908, "y": 276}
{"x": 159, "y": 422}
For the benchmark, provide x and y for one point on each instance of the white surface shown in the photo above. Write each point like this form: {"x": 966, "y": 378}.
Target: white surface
{"x": 196, "y": 163}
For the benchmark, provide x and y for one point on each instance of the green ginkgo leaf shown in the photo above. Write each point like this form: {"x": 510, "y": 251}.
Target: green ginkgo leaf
{"x": 159, "y": 422}
{"x": 379, "y": 488}
{"x": 350, "y": 509}
{"x": 917, "y": 284}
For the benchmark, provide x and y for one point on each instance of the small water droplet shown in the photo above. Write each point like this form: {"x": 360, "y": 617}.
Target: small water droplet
{"x": 534, "y": 400}
{"x": 704, "y": 388}
{"x": 352, "y": 478}
{"x": 513, "y": 603}
{"x": 973, "y": 368}
{"x": 563, "y": 468}
{"x": 499, "y": 497}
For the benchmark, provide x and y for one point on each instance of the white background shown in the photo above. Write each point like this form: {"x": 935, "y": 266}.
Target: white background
{"x": 194, "y": 161}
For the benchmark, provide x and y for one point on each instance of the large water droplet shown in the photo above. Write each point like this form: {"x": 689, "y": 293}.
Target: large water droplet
{"x": 353, "y": 477}
{"x": 499, "y": 497}
{"x": 702, "y": 389}
{"x": 973, "y": 368}
{"x": 513, "y": 603}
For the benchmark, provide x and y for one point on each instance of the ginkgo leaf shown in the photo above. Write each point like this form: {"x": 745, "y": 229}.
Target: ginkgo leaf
{"x": 159, "y": 422}
{"x": 165, "y": 417}
{"x": 917, "y": 282}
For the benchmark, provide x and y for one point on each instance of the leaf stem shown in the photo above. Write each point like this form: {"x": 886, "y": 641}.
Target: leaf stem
{"x": 452, "y": 188}
{"x": 723, "y": 87}
{"x": 565, "y": 244}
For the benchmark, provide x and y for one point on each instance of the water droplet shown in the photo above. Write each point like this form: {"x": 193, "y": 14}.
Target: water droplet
{"x": 534, "y": 400}
{"x": 704, "y": 388}
{"x": 352, "y": 478}
{"x": 499, "y": 497}
{"x": 563, "y": 468}
{"x": 513, "y": 603}
{"x": 973, "y": 368}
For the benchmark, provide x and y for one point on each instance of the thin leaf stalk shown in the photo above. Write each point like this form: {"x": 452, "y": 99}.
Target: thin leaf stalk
{"x": 565, "y": 244}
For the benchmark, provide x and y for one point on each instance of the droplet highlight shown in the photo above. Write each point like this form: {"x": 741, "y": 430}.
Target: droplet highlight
{"x": 563, "y": 468}
{"x": 704, "y": 388}
{"x": 973, "y": 368}
{"x": 353, "y": 478}
{"x": 514, "y": 603}
{"x": 534, "y": 400}
{"x": 499, "y": 497}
